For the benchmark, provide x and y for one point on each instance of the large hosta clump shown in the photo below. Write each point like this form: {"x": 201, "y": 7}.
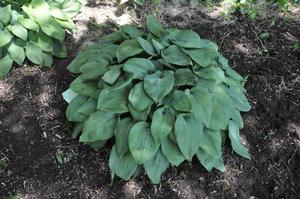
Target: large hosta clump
{"x": 34, "y": 29}
{"x": 163, "y": 97}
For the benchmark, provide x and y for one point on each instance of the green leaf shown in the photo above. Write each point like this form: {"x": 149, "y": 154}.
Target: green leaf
{"x": 147, "y": 46}
{"x": 71, "y": 7}
{"x": 157, "y": 46}
{"x": 58, "y": 13}
{"x": 53, "y": 29}
{"x": 187, "y": 39}
{"x": 203, "y": 56}
{"x": 5, "y": 37}
{"x": 112, "y": 75}
{"x": 127, "y": 49}
{"x": 139, "y": 115}
{"x": 159, "y": 84}
{"x": 211, "y": 72}
{"x": 5, "y": 65}
{"x": 69, "y": 95}
{"x": 121, "y": 136}
{"x": 28, "y": 23}
{"x": 88, "y": 107}
{"x": 234, "y": 136}
{"x": 202, "y": 106}
{"x": 43, "y": 41}
{"x": 131, "y": 30}
{"x": 47, "y": 59}
{"x": 184, "y": 76}
{"x": 141, "y": 143}
{"x": 138, "y": 98}
{"x": 99, "y": 126}
{"x": 139, "y": 67}
{"x": 188, "y": 132}
{"x": 231, "y": 73}
{"x": 19, "y": 31}
{"x": 123, "y": 166}
{"x": 219, "y": 120}
{"x": 16, "y": 53}
{"x": 34, "y": 53}
{"x": 174, "y": 55}
{"x": 97, "y": 145}
{"x": 154, "y": 26}
{"x": 94, "y": 69}
{"x": 83, "y": 88}
{"x": 211, "y": 142}
{"x": 113, "y": 99}
{"x": 156, "y": 166}
{"x": 59, "y": 49}
{"x": 181, "y": 101}
{"x": 72, "y": 112}
{"x": 239, "y": 99}
{"x": 210, "y": 162}
{"x": 5, "y": 14}
{"x": 162, "y": 124}
{"x": 172, "y": 152}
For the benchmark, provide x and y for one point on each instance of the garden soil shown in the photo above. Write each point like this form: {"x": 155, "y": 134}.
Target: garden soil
{"x": 40, "y": 160}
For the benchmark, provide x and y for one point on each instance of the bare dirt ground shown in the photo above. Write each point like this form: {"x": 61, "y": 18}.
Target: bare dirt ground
{"x": 40, "y": 160}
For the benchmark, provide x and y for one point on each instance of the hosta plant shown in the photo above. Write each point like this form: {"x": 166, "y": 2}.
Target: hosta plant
{"x": 163, "y": 97}
{"x": 34, "y": 29}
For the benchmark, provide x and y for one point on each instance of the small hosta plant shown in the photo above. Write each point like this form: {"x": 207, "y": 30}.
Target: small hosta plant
{"x": 163, "y": 97}
{"x": 34, "y": 30}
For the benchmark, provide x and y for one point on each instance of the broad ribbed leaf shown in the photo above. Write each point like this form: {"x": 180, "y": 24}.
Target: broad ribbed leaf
{"x": 162, "y": 124}
{"x": 94, "y": 69}
{"x": 5, "y": 14}
{"x": 229, "y": 71}
{"x": 19, "y": 31}
{"x": 97, "y": 145}
{"x": 28, "y": 23}
{"x": 139, "y": 115}
{"x": 139, "y": 67}
{"x": 59, "y": 49}
{"x": 147, "y": 46}
{"x": 171, "y": 151}
{"x": 154, "y": 26}
{"x": 43, "y": 41}
{"x": 204, "y": 56}
{"x": 188, "y": 132}
{"x": 210, "y": 162}
{"x": 184, "y": 76}
{"x": 88, "y": 107}
{"x": 239, "y": 99}
{"x": 83, "y": 88}
{"x": 53, "y": 29}
{"x": 5, "y": 65}
{"x": 138, "y": 98}
{"x": 34, "y": 53}
{"x": 202, "y": 106}
{"x": 47, "y": 59}
{"x": 112, "y": 75}
{"x": 156, "y": 166}
{"x": 181, "y": 101}
{"x": 187, "y": 39}
{"x": 5, "y": 37}
{"x": 123, "y": 166}
{"x": 114, "y": 99}
{"x": 121, "y": 135}
{"x": 157, "y": 46}
{"x": 69, "y": 95}
{"x": 127, "y": 49}
{"x": 213, "y": 73}
{"x": 234, "y": 136}
{"x": 72, "y": 112}
{"x": 159, "y": 84}
{"x": 174, "y": 55}
{"x": 211, "y": 142}
{"x": 131, "y": 30}
{"x": 99, "y": 126}
{"x": 141, "y": 143}
{"x": 16, "y": 53}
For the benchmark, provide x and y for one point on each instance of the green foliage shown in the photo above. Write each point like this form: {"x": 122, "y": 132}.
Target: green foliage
{"x": 34, "y": 30}
{"x": 165, "y": 97}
